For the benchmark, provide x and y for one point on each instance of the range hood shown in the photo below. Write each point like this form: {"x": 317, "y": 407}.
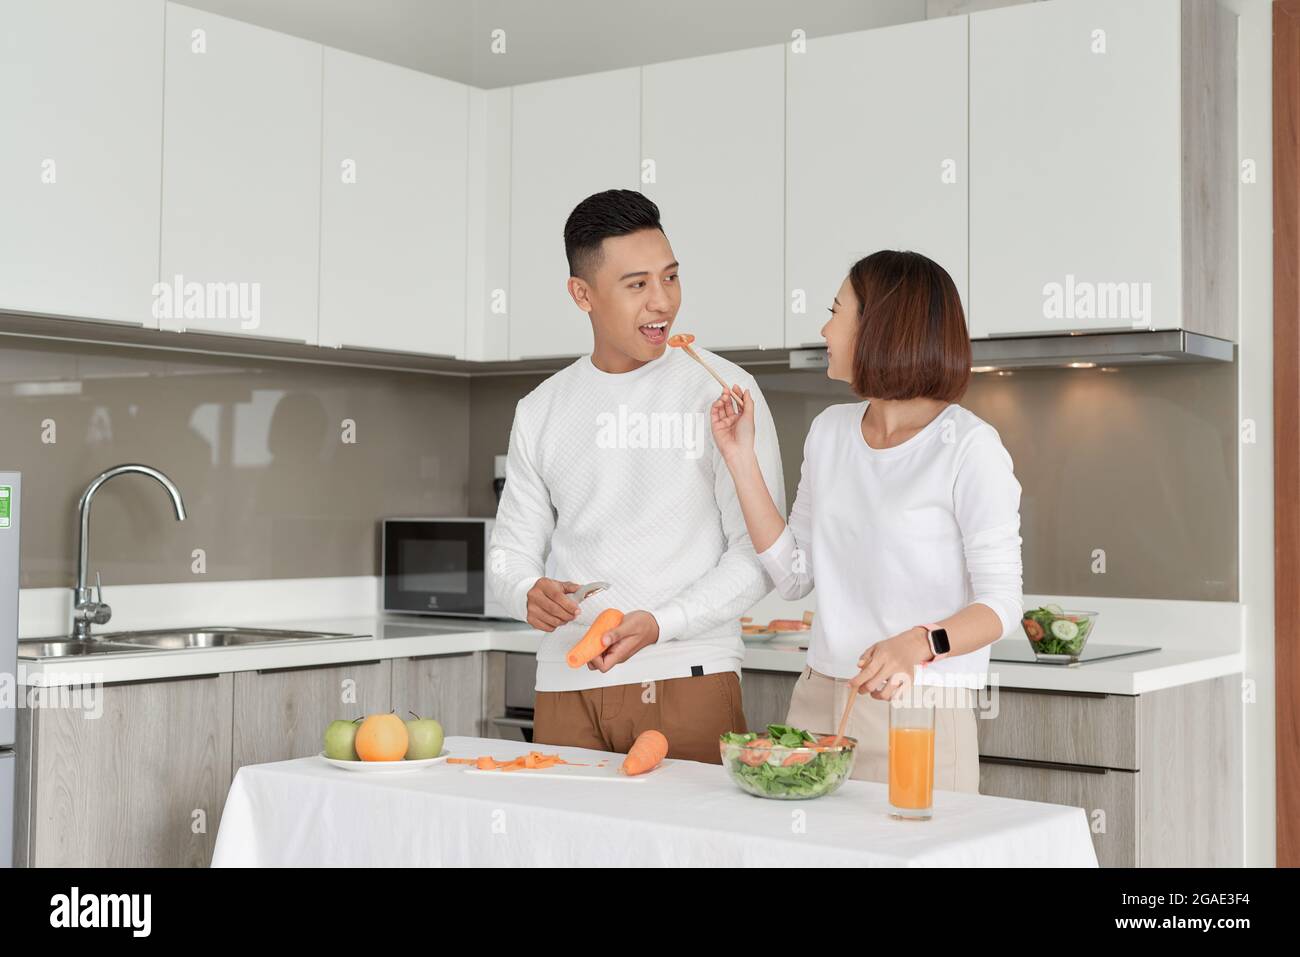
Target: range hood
{"x": 1080, "y": 350}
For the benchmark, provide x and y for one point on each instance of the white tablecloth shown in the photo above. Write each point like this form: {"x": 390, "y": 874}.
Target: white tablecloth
{"x": 308, "y": 813}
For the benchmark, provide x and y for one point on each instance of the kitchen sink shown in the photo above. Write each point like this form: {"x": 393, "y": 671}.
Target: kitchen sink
{"x": 67, "y": 648}
{"x": 169, "y": 639}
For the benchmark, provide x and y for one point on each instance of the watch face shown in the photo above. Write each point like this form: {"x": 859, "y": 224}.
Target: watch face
{"x": 939, "y": 638}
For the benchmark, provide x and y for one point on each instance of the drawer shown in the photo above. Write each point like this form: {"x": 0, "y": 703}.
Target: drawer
{"x": 1061, "y": 727}
{"x": 1108, "y": 798}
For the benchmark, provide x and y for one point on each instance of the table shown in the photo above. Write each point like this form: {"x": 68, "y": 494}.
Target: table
{"x": 307, "y": 813}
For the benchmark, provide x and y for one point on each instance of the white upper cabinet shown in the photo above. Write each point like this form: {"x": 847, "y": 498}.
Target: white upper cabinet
{"x": 487, "y": 315}
{"x": 1103, "y": 167}
{"x": 81, "y": 85}
{"x": 571, "y": 138}
{"x": 241, "y": 178}
{"x": 713, "y": 135}
{"x": 875, "y": 159}
{"x": 393, "y": 208}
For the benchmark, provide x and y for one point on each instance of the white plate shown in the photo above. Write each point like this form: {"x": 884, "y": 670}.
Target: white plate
{"x": 389, "y": 767}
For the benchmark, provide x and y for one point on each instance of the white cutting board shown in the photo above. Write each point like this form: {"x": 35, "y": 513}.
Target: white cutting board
{"x": 574, "y": 772}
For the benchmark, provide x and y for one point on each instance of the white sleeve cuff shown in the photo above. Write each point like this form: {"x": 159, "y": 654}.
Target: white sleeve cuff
{"x": 778, "y": 558}
{"x": 518, "y": 607}
{"x": 672, "y": 622}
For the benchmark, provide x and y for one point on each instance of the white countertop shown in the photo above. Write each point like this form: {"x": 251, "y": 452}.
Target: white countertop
{"x": 404, "y": 637}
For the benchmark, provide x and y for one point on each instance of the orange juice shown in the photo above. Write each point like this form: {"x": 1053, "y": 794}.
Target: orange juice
{"x": 911, "y": 767}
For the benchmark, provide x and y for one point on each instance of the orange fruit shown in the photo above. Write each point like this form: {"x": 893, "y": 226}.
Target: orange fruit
{"x": 382, "y": 737}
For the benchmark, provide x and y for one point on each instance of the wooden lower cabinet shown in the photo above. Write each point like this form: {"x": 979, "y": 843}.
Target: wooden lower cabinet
{"x": 283, "y": 713}
{"x": 765, "y": 696}
{"x": 448, "y": 688}
{"x": 1160, "y": 774}
{"x": 1108, "y": 797}
{"x": 134, "y": 776}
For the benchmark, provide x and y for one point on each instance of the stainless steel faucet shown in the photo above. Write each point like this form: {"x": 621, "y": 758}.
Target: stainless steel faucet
{"x": 85, "y": 611}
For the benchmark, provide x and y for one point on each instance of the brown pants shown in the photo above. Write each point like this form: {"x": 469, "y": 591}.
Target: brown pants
{"x": 691, "y": 713}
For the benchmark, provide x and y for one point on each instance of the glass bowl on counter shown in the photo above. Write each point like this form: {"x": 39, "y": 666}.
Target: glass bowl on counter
{"x": 1057, "y": 635}
{"x": 787, "y": 763}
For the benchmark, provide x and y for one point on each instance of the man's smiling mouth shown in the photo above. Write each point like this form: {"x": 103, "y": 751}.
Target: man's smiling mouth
{"x": 656, "y": 333}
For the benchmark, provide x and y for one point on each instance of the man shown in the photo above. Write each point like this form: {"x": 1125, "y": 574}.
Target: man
{"x": 612, "y": 475}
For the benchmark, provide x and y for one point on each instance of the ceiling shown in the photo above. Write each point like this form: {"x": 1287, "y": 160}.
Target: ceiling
{"x": 551, "y": 38}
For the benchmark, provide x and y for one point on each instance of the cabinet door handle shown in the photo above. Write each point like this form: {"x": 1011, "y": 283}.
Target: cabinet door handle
{"x": 330, "y": 664}
{"x": 453, "y": 654}
{"x": 250, "y": 334}
{"x": 1044, "y": 765}
{"x": 149, "y": 681}
{"x": 396, "y": 352}
{"x": 512, "y": 722}
{"x": 1053, "y": 691}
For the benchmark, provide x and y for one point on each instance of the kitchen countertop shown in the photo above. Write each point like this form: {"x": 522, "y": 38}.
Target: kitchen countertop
{"x": 404, "y": 637}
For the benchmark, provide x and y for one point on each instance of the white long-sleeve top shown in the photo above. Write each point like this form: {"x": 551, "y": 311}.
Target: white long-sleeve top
{"x": 900, "y": 537}
{"x": 615, "y": 477}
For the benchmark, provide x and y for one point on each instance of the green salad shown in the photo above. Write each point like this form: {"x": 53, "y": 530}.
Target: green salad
{"x": 1055, "y": 632}
{"x": 764, "y": 765}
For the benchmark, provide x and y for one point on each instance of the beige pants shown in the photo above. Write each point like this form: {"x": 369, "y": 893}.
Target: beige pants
{"x": 818, "y": 703}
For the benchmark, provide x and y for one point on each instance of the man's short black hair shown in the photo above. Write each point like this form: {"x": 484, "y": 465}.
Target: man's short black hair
{"x": 615, "y": 212}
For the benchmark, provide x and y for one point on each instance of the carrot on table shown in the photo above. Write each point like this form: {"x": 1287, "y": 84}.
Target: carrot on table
{"x": 591, "y": 645}
{"x": 648, "y": 750}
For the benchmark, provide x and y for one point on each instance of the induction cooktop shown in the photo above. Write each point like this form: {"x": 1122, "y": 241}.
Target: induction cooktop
{"x": 1018, "y": 651}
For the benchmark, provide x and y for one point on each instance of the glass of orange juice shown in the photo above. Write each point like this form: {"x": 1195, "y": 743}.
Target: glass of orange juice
{"x": 911, "y": 755}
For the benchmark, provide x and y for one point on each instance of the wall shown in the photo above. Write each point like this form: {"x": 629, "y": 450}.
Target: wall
{"x": 1092, "y": 450}
{"x": 258, "y": 449}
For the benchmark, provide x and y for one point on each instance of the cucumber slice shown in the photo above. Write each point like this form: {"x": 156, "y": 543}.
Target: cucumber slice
{"x": 1055, "y": 609}
{"x": 1065, "y": 629}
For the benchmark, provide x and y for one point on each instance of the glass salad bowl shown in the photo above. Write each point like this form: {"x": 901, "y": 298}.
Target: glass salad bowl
{"x": 787, "y": 763}
{"x": 1057, "y": 635}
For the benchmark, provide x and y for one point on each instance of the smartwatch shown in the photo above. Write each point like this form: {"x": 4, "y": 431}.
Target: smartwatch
{"x": 938, "y": 639}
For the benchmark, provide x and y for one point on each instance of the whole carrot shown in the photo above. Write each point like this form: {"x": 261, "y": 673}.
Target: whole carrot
{"x": 649, "y": 748}
{"x": 590, "y": 645}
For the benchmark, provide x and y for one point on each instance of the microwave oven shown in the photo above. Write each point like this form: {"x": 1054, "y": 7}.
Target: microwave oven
{"x": 437, "y": 566}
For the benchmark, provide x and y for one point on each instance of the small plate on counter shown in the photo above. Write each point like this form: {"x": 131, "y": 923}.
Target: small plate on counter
{"x": 386, "y": 767}
{"x": 776, "y": 628}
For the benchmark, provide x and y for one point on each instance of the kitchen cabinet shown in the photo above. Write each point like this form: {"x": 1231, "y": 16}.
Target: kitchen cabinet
{"x": 550, "y": 173}
{"x": 81, "y": 166}
{"x": 765, "y": 697}
{"x": 241, "y": 178}
{"x": 1103, "y": 168}
{"x": 714, "y": 129}
{"x": 876, "y": 145}
{"x": 1158, "y": 774}
{"x": 282, "y": 713}
{"x": 448, "y": 688}
{"x": 393, "y": 208}
{"x": 487, "y": 278}
{"x": 130, "y": 775}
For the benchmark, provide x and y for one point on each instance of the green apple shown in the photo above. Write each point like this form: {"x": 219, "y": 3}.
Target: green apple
{"x": 341, "y": 741}
{"x": 425, "y": 736}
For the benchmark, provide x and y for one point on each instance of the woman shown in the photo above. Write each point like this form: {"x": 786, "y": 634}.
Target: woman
{"x": 907, "y": 518}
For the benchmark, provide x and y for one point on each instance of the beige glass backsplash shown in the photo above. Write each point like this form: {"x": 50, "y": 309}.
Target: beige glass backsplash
{"x": 1129, "y": 478}
{"x": 259, "y": 449}
{"x": 1138, "y": 463}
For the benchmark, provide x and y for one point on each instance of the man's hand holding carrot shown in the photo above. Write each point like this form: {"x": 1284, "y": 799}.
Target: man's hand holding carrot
{"x": 638, "y": 630}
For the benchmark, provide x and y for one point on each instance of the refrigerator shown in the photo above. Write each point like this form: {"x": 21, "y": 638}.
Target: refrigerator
{"x": 10, "y": 499}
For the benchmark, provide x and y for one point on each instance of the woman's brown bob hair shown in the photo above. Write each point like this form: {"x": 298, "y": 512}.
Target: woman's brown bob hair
{"x": 911, "y": 339}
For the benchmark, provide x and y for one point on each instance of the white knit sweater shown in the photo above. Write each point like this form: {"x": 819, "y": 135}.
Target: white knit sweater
{"x": 615, "y": 477}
